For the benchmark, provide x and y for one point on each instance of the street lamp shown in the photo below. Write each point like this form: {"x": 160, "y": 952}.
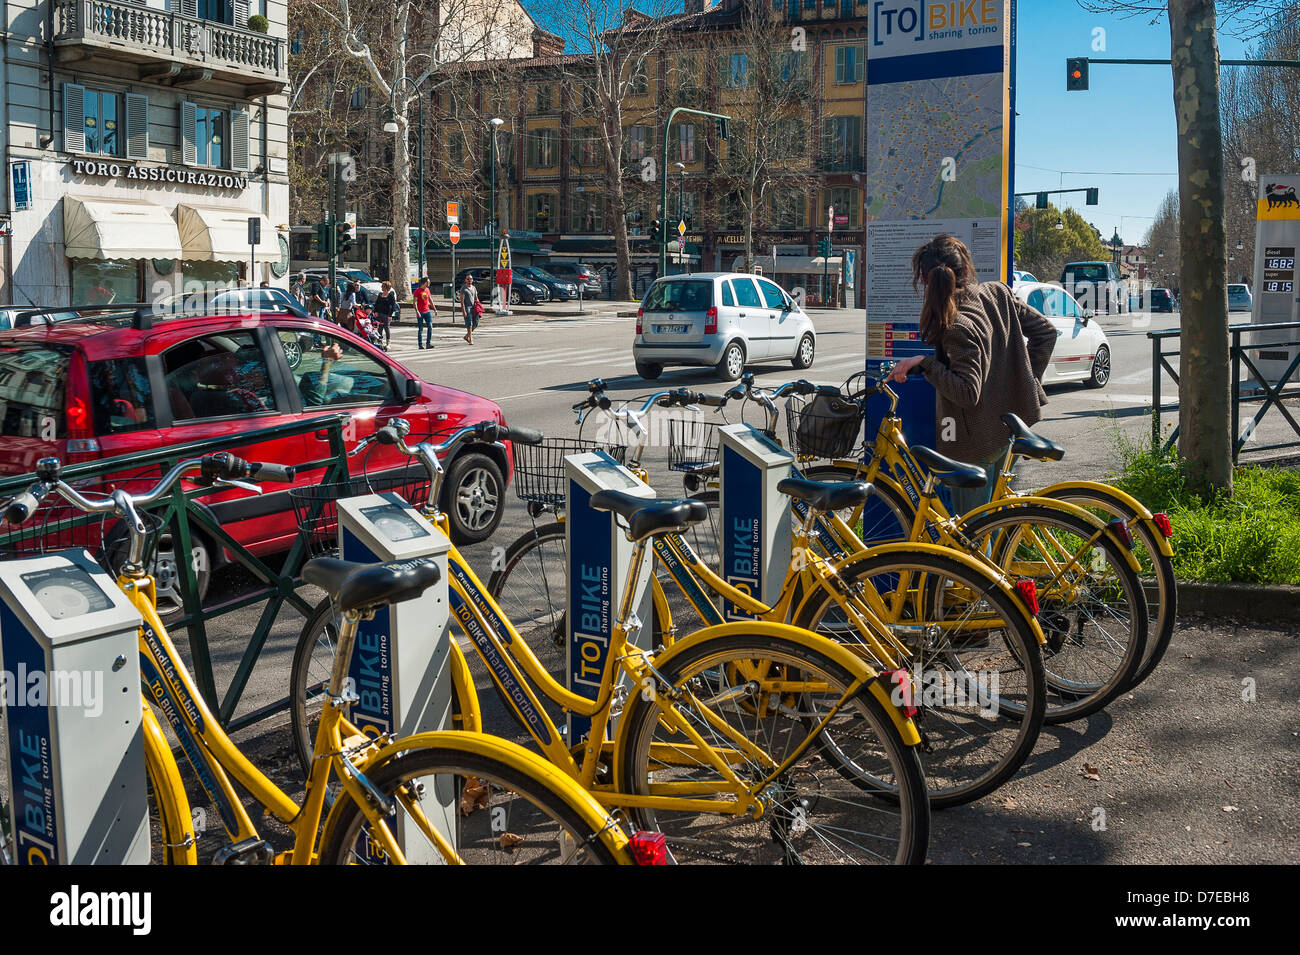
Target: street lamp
{"x": 681, "y": 212}
{"x": 390, "y": 126}
{"x": 495, "y": 123}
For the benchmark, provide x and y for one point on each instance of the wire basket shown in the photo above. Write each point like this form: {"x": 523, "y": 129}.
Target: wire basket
{"x": 540, "y": 476}
{"x": 826, "y": 426}
{"x": 56, "y": 525}
{"x": 692, "y": 444}
{"x": 316, "y": 507}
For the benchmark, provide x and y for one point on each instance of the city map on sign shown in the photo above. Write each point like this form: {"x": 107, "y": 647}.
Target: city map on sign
{"x": 921, "y": 125}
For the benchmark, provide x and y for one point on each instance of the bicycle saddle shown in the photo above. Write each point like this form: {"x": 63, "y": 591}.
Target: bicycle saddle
{"x": 1027, "y": 444}
{"x": 354, "y": 586}
{"x": 949, "y": 472}
{"x": 825, "y": 496}
{"x": 646, "y": 518}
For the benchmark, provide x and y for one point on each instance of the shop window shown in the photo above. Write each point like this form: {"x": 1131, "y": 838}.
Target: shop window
{"x": 96, "y": 282}
{"x": 217, "y": 376}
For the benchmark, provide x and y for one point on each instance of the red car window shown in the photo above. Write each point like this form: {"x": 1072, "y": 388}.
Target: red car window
{"x": 218, "y": 376}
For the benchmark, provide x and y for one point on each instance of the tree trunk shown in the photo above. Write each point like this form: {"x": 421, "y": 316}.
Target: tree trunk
{"x": 1204, "y": 404}
{"x": 400, "y": 249}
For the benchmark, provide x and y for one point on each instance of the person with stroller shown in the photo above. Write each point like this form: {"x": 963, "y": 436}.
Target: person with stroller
{"x": 385, "y": 310}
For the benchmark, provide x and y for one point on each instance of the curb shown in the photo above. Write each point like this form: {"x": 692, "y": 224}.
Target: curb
{"x": 1254, "y": 601}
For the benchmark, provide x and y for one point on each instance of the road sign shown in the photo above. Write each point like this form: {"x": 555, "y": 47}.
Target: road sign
{"x": 830, "y": 218}
{"x": 453, "y": 213}
{"x": 454, "y": 234}
{"x": 681, "y": 227}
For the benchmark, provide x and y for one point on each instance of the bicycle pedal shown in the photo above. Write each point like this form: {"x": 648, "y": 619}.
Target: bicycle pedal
{"x": 251, "y": 851}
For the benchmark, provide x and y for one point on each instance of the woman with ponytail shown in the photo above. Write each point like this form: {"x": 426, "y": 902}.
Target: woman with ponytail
{"x": 990, "y": 352}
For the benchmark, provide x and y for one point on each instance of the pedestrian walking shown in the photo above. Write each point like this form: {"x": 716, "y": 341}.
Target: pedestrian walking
{"x": 471, "y": 308}
{"x": 990, "y": 353}
{"x": 323, "y": 297}
{"x": 299, "y": 289}
{"x": 385, "y": 308}
{"x": 425, "y": 310}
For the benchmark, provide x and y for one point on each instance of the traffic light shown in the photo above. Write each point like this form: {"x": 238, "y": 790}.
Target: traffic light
{"x": 345, "y": 237}
{"x": 1092, "y": 197}
{"x": 320, "y": 238}
{"x": 657, "y": 231}
{"x": 824, "y": 247}
{"x": 1076, "y": 73}
{"x": 721, "y": 124}
{"x": 1042, "y": 201}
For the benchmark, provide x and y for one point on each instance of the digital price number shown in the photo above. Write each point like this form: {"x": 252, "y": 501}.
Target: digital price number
{"x": 1279, "y": 269}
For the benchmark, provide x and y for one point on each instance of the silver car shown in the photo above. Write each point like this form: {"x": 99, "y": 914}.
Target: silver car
{"x": 724, "y": 319}
{"x": 1239, "y": 298}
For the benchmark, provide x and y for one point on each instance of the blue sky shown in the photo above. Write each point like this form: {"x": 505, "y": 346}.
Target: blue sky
{"x": 1123, "y": 124}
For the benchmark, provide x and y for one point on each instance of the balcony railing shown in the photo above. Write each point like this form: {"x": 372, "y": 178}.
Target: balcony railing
{"x": 123, "y": 30}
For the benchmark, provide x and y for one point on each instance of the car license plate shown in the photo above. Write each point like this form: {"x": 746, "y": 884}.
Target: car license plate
{"x": 670, "y": 329}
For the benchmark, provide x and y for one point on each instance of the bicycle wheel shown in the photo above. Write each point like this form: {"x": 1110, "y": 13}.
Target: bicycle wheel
{"x": 1091, "y": 607}
{"x": 884, "y": 518}
{"x": 978, "y": 677}
{"x": 532, "y": 589}
{"x": 503, "y": 815}
{"x": 1158, "y": 583}
{"x": 818, "y": 810}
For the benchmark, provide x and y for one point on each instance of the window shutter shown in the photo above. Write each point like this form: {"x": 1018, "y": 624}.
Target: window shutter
{"x": 241, "y": 13}
{"x": 189, "y": 135}
{"x": 74, "y": 118}
{"x": 859, "y": 59}
{"x": 239, "y": 150}
{"x": 190, "y": 8}
{"x": 137, "y": 126}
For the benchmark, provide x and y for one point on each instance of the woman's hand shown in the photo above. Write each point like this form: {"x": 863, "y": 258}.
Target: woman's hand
{"x": 901, "y": 369}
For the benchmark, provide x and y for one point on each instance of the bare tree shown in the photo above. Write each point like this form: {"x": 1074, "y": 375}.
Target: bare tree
{"x": 1163, "y": 260}
{"x": 406, "y": 49}
{"x": 619, "y": 48}
{"x": 766, "y": 92}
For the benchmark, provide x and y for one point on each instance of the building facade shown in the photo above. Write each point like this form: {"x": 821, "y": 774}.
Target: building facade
{"x": 140, "y": 138}
{"x": 549, "y": 168}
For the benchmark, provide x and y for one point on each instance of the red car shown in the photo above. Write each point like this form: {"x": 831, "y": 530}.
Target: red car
{"x": 113, "y": 384}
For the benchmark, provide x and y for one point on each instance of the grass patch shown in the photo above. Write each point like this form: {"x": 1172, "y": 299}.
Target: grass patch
{"x": 1251, "y": 537}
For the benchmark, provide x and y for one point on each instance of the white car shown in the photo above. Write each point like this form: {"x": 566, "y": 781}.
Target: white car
{"x": 1082, "y": 352}
{"x": 1239, "y": 298}
{"x": 343, "y": 275}
{"x": 724, "y": 319}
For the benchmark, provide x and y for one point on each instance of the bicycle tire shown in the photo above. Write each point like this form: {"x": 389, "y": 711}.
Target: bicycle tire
{"x": 976, "y": 738}
{"x": 531, "y": 587}
{"x": 542, "y": 806}
{"x": 886, "y": 516}
{"x": 796, "y": 809}
{"x": 1163, "y": 612}
{"x": 1076, "y": 687}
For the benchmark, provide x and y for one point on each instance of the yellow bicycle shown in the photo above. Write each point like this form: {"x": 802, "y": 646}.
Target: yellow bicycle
{"x": 381, "y": 787}
{"x": 721, "y": 740}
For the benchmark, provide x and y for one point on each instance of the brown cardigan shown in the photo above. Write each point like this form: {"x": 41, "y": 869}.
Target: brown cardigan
{"x": 983, "y": 368}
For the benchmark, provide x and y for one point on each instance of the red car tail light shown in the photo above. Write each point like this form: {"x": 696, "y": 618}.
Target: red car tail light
{"x": 1166, "y": 526}
{"x": 1028, "y": 591}
{"x": 711, "y": 321}
{"x": 80, "y": 433}
{"x": 639, "y": 313}
{"x": 649, "y": 848}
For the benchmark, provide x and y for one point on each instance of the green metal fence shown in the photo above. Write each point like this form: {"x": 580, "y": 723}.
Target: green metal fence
{"x": 184, "y": 512}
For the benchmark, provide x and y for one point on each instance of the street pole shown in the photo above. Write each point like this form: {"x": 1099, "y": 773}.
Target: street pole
{"x": 663, "y": 189}
{"x": 419, "y": 119}
{"x": 681, "y": 217}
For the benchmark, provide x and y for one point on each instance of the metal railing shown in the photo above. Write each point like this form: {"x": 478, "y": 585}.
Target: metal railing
{"x": 169, "y": 35}
{"x": 1268, "y": 395}
{"x": 184, "y": 513}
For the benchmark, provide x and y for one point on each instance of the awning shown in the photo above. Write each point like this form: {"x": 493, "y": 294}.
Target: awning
{"x": 118, "y": 229}
{"x": 213, "y": 234}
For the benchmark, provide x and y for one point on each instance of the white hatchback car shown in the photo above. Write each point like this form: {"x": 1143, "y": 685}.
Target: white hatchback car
{"x": 1082, "y": 352}
{"x": 724, "y": 319}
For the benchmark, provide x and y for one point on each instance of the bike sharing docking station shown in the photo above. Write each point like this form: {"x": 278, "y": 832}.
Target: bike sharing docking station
{"x": 400, "y": 666}
{"x": 600, "y": 560}
{"x": 70, "y": 662}
{"x": 755, "y": 524}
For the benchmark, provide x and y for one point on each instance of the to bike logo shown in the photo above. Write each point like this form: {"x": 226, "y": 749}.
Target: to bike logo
{"x": 948, "y": 688}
